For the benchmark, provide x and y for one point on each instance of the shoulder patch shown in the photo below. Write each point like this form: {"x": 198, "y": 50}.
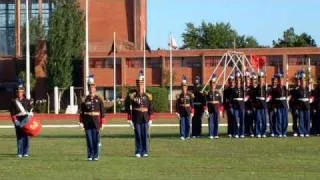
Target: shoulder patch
{"x": 132, "y": 95}
{"x": 205, "y": 93}
{"x": 191, "y": 94}
{"x": 149, "y": 96}
{"x": 100, "y": 97}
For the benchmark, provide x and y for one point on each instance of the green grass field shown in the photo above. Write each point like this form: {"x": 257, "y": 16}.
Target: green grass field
{"x": 61, "y": 154}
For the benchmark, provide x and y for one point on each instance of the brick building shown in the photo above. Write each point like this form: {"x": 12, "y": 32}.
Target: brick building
{"x": 128, "y": 18}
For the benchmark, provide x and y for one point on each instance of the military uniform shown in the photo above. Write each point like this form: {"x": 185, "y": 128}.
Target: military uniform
{"x": 92, "y": 115}
{"x": 199, "y": 104}
{"x": 140, "y": 115}
{"x": 227, "y": 104}
{"x": 293, "y": 103}
{"x": 19, "y": 119}
{"x": 19, "y": 111}
{"x": 213, "y": 103}
{"x": 140, "y": 110}
{"x": 260, "y": 113}
{"x": 315, "y": 107}
{"x": 238, "y": 107}
{"x": 185, "y": 109}
{"x": 270, "y": 112}
{"x": 280, "y": 107}
{"x": 249, "y": 114}
{"x": 303, "y": 97}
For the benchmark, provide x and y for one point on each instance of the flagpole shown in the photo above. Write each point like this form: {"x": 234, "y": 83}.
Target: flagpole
{"x": 309, "y": 74}
{"x": 114, "y": 73}
{"x": 28, "y": 95}
{"x": 287, "y": 74}
{"x": 265, "y": 77}
{"x": 86, "y": 61}
{"x": 170, "y": 50}
{"x": 144, "y": 61}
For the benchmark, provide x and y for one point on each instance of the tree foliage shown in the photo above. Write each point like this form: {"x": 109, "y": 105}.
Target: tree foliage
{"x": 215, "y": 36}
{"x": 65, "y": 42}
{"x": 291, "y": 39}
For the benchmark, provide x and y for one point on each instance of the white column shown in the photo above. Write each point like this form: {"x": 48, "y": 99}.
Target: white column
{"x": 56, "y": 100}
{"x": 71, "y": 96}
{"x": 114, "y": 73}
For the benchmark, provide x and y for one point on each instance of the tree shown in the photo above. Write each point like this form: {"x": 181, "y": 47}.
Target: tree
{"x": 214, "y": 36}
{"x": 291, "y": 39}
{"x": 65, "y": 42}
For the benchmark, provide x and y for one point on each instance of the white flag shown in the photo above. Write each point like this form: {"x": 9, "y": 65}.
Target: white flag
{"x": 173, "y": 43}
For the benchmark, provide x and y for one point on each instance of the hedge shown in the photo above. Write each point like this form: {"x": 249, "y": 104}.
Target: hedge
{"x": 160, "y": 100}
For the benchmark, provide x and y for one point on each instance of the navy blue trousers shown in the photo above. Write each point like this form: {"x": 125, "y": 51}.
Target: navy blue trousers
{"x": 304, "y": 122}
{"x": 197, "y": 123}
{"x": 271, "y": 120}
{"x": 261, "y": 121}
{"x": 249, "y": 122}
{"x": 281, "y": 121}
{"x": 294, "y": 113}
{"x": 229, "y": 113}
{"x": 238, "y": 119}
{"x": 93, "y": 141}
{"x": 315, "y": 118}
{"x": 213, "y": 122}
{"x": 141, "y": 138}
{"x": 23, "y": 141}
{"x": 185, "y": 126}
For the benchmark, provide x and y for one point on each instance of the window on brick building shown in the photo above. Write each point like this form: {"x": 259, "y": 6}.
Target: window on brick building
{"x": 153, "y": 63}
{"x": 47, "y": 10}
{"x": 108, "y": 63}
{"x": 176, "y": 62}
{"x": 186, "y": 62}
{"x": 134, "y": 63}
{"x": 7, "y": 27}
{"x": 212, "y": 61}
{"x": 274, "y": 60}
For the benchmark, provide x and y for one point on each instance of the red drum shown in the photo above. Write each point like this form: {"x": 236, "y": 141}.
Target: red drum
{"x": 33, "y": 127}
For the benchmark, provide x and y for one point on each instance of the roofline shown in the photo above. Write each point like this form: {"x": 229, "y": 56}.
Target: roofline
{"x": 211, "y": 52}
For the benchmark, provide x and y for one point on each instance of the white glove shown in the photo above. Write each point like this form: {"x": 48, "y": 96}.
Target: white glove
{"x": 178, "y": 116}
{"x": 17, "y": 123}
{"x": 221, "y": 113}
{"x": 206, "y": 113}
{"x": 150, "y": 122}
{"x": 268, "y": 99}
{"x": 311, "y": 100}
{"x": 191, "y": 115}
{"x": 81, "y": 126}
{"x": 131, "y": 124}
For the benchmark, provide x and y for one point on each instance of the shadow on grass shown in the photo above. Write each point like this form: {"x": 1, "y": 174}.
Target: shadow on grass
{"x": 115, "y": 136}
{"x": 8, "y": 155}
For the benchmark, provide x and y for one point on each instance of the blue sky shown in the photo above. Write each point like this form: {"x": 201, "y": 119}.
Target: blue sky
{"x": 264, "y": 19}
